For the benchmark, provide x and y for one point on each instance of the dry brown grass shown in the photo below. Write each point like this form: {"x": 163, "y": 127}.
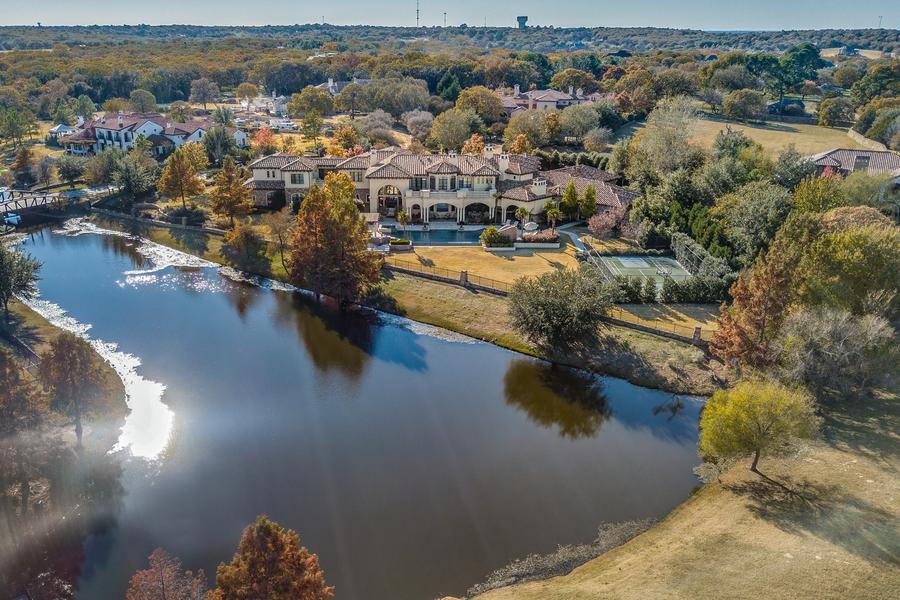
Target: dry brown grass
{"x": 774, "y": 137}
{"x": 822, "y": 525}
{"x": 505, "y": 267}
{"x": 686, "y": 315}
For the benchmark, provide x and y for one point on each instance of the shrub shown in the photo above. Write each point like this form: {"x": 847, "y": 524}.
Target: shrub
{"x": 194, "y": 214}
{"x": 744, "y": 104}
{"x": 701, "y": 289}
{"x": 491, "y": 238}
{"x": 400, "y": 242}
{"x": 541, "y": 237}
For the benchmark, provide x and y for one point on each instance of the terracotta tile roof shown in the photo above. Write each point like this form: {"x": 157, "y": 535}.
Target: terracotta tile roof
{"x": 522, "y": 191}
{"x": 264, "y": 184}
{"x": 324, "y": 161}
{"x": 387, "y": 171}
{"x": 442, "y": 167}
{"x": 851, "y": 159}
{"x": 129, "y": 121}
{"x": 273, "y": 161}
{"x": 360, "y": 161}
{"x": 520, "y": 164}
{"x": 300, "y": 164}
{"x": 586, "y": 172}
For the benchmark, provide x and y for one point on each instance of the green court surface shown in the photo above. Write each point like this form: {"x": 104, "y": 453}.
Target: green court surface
{"x": 646, "y": 267}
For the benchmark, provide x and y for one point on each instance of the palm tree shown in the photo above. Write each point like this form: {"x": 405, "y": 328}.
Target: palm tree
{"x": 403, "y": 220}
{"x": 521, "y": 215}
{"x": 553, "y": 214}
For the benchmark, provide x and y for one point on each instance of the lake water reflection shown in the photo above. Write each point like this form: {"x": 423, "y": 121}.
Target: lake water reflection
{"x": 412, "y": 462}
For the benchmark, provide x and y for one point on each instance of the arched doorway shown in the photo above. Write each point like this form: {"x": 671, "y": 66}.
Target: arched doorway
{"x": 511, "y": 212}
{"x": 477, "y": 213}
{"x": 390, "y": 200}
{"x": 415, "y": 212}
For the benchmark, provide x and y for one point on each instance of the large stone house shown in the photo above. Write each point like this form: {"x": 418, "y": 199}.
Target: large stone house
{"x": 486, "y": 188}
{"x": 122, "y": 129}
{"x": 545, "y": 99}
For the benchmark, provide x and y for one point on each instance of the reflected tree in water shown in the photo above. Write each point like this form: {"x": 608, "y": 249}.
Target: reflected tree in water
{"x": 333, "y": 338}
{"x": 557, "y": 397}
{"x": 126, "y": 247}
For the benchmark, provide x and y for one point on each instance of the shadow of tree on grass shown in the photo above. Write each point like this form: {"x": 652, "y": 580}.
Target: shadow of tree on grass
{"x": 824, "y": 511}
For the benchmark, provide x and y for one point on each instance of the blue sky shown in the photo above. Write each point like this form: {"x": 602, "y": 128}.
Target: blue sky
{"x": 694, "y": 14}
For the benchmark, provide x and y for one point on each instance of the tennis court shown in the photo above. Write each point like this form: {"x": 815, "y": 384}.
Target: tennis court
{"x": 646, "y": 267}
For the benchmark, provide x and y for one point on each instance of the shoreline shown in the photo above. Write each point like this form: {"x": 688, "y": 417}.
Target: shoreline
{"x": 640, "y": 358}
{"x": 40, "y": 331}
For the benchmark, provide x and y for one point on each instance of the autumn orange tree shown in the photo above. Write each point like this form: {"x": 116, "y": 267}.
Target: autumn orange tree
{"x": 748, "y": 328}
{"x": 264, "y": 140}
{"x": 271, "y": 564}
{"x": 329, "y": 248}
{"x": 179, "y": 177}
{"x": 229, "y": 197}
{"x": 165, "y": 580}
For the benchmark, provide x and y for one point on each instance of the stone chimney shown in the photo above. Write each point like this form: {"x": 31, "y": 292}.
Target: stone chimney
{"x": 579, "y": 92}
{"x": 503, "y": 161}
{"x": 517, "y": 90}
{"x": 488, "y": 151}
{"x": 539, "y": 186}
{"x": 571, "y": 90}
{"x": 120, "y": 118}
{"x": 331, "y": 83}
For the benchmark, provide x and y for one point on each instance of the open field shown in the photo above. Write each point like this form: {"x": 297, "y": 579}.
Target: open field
{"x": 824, "y": 524}
{"x": 505, "y": 267}
{"x": 774, "y": 137}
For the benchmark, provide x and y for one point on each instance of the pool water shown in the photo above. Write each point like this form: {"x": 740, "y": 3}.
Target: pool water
{"x": 440, "y": 237}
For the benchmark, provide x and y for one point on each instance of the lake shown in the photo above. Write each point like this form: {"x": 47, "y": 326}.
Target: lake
{"x": 412, "y": 460}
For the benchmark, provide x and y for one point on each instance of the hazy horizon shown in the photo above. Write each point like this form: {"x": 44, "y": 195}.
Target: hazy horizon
{"x": 707, "y": 15}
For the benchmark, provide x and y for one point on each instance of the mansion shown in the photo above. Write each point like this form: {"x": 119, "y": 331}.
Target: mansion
{"x": 120, "y": 130}
{"x": 462, "y": 188}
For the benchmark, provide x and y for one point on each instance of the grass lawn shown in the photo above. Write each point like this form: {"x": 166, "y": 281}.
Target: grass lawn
{"x": 611, "y": 246}
{"x": 639, "y": 357}
{"x": 825, "y": 525}
{"x": 37, "y": 332}
{"x": 774, "y": 137}
{"x": 687, "y": 315}
{"x": 506, "y": 266}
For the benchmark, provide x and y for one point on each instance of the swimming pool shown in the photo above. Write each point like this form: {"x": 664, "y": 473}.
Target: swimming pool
{"x": 441, "y": 237}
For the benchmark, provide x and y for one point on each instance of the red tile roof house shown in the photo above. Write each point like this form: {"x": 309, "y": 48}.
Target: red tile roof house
{"x": 120, "y": 130}
{"x": 452, "y": 187}
{"x": 844, "y": 161}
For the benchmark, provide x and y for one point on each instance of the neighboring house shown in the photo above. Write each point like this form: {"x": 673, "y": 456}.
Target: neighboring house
{"x": 272, "y": 105}
{"x": 545, "y": 99}
{"x": 849, "y": 160}
{"x": 61, "y": 130}
{"x": 122, "y": 129}
{"x": 468, "y": 188}
{"x": 334, "y": 87}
